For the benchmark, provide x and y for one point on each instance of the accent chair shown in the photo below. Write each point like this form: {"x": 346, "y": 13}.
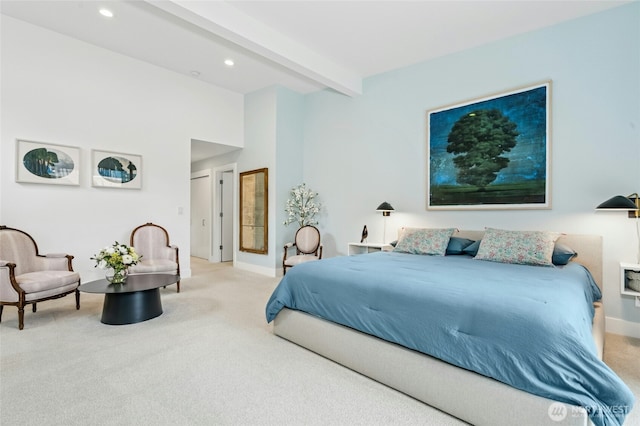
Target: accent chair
{"x": 27, "y": 277}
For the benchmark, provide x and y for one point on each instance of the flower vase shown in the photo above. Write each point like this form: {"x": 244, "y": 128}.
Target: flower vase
{"x": 117, "y": 276}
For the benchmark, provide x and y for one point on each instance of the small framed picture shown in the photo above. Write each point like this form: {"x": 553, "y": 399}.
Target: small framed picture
{"x": 47, "y": 163}
{"x": 116, "y": 170}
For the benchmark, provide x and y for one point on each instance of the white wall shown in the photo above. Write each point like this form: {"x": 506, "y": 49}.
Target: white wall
{"x": 59, "y": 90}
{"x": 359, "y": 152}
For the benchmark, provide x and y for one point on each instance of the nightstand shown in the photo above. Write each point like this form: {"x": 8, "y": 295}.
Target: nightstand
{"x": 363, "y": 248}
{"x": 628, "y": 272}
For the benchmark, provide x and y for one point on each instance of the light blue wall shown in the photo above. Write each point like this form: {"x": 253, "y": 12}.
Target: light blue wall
{"x": 361, "y": 151}
{"x": 289, "y": 154}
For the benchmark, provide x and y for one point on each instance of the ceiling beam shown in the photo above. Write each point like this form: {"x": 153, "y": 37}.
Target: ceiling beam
{"x": 228, "y": 22}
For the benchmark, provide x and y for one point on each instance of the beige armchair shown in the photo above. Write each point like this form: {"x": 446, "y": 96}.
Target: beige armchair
{"x": 151, "y": 242}
{"x": 27, "y": 277}
{"x": 308, "y": 248}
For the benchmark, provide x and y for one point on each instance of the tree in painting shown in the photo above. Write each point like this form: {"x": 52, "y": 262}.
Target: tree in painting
{"x": 41, "y": 162}
{"x": 478, "y": 140}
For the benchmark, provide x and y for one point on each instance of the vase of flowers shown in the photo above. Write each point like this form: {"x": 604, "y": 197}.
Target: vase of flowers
{"x": 302, "y": 206}
{"x": 116, "y": 259}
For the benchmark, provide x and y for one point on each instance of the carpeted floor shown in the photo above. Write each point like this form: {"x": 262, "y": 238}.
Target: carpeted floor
{"x": 210, "y": 358}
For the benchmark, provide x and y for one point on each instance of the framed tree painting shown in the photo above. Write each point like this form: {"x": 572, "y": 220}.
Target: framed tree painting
{"x": 42, "y": 162}
{"x": 492, "y": 152}
{"x": 116, "y": 170}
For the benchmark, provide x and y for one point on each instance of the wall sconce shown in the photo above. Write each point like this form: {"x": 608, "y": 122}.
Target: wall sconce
{"x": 386, "y": 210}
{"x": 619, "y": 202}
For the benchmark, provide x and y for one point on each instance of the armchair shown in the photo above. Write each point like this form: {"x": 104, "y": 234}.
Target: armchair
{"x": 308, "y": 248}
{"x": 27, "y": 277}
{"x": 151, "y": 242}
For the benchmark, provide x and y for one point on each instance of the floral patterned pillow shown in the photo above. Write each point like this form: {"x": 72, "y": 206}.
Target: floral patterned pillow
{"x": 424, "y": 241}
{"x": 520, "y": 247}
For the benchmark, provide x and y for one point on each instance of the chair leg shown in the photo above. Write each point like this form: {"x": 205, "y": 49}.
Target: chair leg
{"x": 178, "y": 287}
{"x": 77, "y": 299}
{"x": 1, "y": 308}
{"x": 20, "y": 317}
{"x": 34, "y": 308}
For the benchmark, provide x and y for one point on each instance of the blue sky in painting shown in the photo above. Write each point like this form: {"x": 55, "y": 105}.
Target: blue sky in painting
{"x": 527, "y": 159}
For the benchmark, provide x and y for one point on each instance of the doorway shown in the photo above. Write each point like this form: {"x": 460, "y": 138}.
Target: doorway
{"x": 201, "y": 214}
{"x": 226, "y": 216}
{"x": 225, "y": 212}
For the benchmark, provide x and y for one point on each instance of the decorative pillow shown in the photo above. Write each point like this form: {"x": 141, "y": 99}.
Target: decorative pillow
{"x": 520, "y": 247}
{"x": 424, "y": 241}
{"x": 562, "y": 254}
{"x": 472, "y": 248}
{"x": 457, "y": 245}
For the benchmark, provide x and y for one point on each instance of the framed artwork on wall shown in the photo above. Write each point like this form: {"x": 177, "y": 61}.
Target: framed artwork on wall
{"x": 47, "y": 163}
{"x": 491, "y": 152}
{"x": 116, "y": 170}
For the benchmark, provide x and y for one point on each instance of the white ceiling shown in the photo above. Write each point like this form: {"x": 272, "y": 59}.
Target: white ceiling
{"x": 303, "y": 45}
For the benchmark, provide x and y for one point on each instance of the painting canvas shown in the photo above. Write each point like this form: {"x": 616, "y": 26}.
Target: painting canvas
{"x": 47, "y": 163}
{"x": 116, "y": 170}
{"x": 491, "y": 153}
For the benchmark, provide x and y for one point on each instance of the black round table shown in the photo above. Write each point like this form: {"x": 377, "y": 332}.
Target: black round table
{"x": 137, "y": 300}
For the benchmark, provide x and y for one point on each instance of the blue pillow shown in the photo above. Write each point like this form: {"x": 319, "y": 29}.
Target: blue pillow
{"x": 472, "y": 248}
{"x": 562, "y": 254}
{"x": 457, "y": 245}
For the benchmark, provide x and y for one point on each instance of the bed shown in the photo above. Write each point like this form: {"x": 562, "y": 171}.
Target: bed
{"x": 471, "y": 385}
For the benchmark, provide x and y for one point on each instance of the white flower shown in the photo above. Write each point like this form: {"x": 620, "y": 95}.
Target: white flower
{"x": 117, "y": 256}
{"x": 301, "y": 207}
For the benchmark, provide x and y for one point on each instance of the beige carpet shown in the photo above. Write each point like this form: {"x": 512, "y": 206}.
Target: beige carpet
{"x": 210, "y": 358}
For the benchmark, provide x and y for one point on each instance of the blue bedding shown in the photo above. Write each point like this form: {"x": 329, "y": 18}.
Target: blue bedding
{"x": 527, "y": 326}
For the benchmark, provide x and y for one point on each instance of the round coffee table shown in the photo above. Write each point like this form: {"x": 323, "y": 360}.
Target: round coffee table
{"x": 137, "y": 300}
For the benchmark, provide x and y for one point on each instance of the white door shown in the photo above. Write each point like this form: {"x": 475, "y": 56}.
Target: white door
{"x": 200, "y": 216}
{"x": 226, "y": 216}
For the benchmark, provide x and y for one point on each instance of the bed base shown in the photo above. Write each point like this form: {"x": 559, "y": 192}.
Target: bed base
{"x": 469, "y": 396}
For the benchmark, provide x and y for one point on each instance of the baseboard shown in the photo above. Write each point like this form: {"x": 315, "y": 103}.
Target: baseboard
{"x": 263, "y": 270}
{"x": 622, "y": 327}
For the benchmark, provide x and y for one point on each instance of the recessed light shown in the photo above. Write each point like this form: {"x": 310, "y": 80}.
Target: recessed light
{"x": 195, "y": 73}
{"x": 228, "y": 62}
{"x": 106, "y": 13}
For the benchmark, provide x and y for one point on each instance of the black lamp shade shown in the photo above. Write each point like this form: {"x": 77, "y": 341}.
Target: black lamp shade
{"x": 618, "y": 202}
{"x": 385, "y": 208}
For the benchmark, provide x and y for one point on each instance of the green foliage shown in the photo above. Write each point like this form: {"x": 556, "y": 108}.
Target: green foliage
{"x": 38, "y": 161}
{"x": 479, "y": 139}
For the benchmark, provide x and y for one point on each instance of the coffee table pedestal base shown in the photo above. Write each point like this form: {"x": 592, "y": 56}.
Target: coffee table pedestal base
{"x": 130, "y": 308}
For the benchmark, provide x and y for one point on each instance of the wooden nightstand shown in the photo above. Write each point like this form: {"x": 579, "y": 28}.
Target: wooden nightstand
{"x": 363, "y": 248}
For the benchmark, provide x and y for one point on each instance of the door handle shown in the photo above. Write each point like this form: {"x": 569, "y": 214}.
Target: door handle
{"x": 202, "y": 222}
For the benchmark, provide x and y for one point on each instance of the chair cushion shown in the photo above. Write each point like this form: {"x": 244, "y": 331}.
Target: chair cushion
{"x": 35, "y": 282}
{"x": 154, "y": 265}
{"x": 50, "y": 293}
{"x": 301, "y": 258}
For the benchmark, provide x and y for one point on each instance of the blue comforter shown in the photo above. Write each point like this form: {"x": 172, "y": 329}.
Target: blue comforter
{"x": 527, "y": 326}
